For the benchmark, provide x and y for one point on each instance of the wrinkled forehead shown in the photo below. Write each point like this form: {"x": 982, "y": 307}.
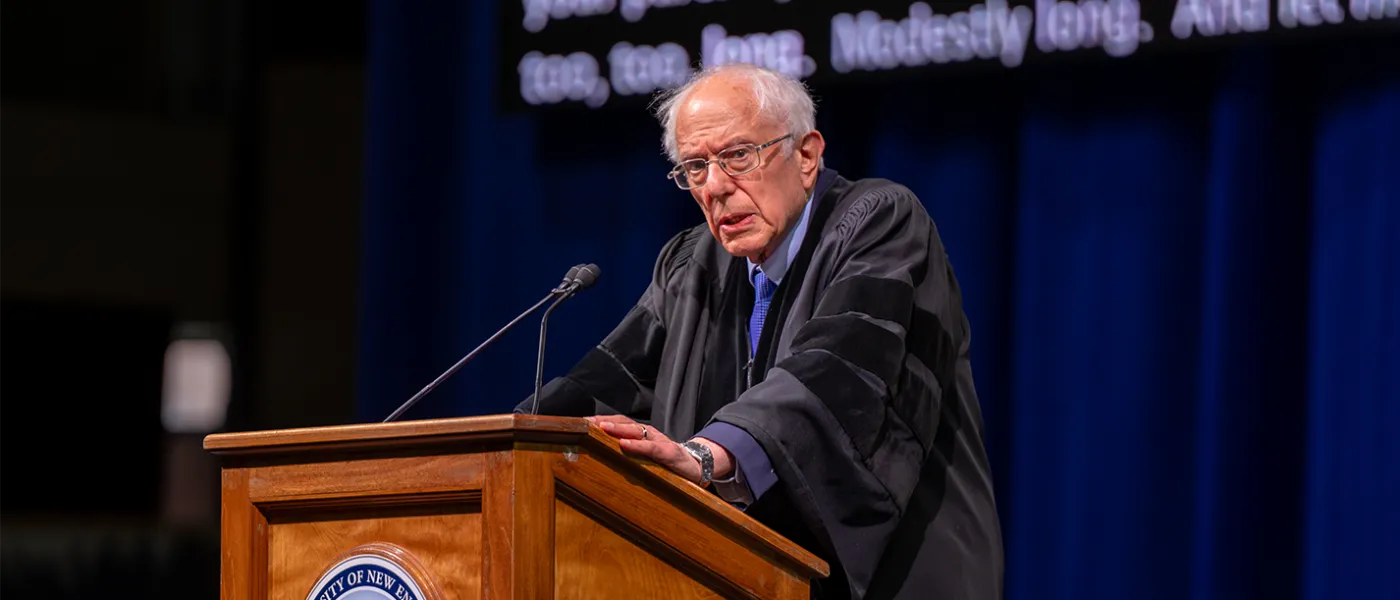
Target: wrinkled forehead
{"x": 716, "y": 114}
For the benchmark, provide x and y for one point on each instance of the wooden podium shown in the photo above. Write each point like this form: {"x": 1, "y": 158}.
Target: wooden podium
{"x": 509, "y": 506}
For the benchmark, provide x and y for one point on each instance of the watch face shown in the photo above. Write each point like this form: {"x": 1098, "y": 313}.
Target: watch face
{"x": 701, "y": 450}
{"x": 707, "y": 460}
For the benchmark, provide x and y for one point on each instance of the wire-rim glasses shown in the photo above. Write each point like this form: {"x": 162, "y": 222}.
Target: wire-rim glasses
{"x": 734, "y": 161}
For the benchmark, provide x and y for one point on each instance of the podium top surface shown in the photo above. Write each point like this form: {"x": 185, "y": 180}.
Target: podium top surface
{"x": 401, "y": 434}
{"x": 466, "y": 433}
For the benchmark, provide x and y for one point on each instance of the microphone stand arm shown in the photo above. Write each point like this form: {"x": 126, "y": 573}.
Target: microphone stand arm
{"x": 539, "y": 359}
{"x": 436, "y": 382}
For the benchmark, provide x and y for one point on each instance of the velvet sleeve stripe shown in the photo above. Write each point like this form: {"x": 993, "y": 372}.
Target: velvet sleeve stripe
{"x": 916, "y": 401}
{"x": 879, "y": 297}
{"x": 858, "y": 341}
{"x": 845, "y": 393}
{"x": 931, "y": 342}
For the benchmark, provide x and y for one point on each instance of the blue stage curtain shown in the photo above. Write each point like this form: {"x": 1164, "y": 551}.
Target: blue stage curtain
{"x": 1182, "y": 272}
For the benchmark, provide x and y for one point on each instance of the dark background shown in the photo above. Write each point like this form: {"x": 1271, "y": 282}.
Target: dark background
{"x": 165, "y": 163}
{"x": 1181, "y": 271}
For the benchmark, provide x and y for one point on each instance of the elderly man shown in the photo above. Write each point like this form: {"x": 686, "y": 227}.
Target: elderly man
{"x": 804, "y": 353}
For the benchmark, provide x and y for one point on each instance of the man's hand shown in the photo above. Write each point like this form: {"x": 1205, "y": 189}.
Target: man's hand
{"x": 646, "y": 441}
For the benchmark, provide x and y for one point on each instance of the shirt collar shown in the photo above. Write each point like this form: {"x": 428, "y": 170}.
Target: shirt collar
{"x": 776, "y": 266}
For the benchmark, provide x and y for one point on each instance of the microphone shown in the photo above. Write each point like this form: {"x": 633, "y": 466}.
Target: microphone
{"x": 566, "y": 288}
{"x": 584, "y": 278}
{"x": 568, "y": 279}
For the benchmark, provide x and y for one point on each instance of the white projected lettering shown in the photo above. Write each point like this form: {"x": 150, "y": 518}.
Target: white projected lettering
{"x": 643, "y": 69}
{"x": 1217, "y": 17}
{"x": 1309, "y": 13}
{"x": 662, "y": 52}
{"x": 1114, "y": 25}
{"x": 781, "y": 51}
{"x": 1363, "y": 10}
{"x": 553, "y": 79}
{"x": 634, "y": 10}
{"x": 538, "y": 13}
{"x": 867, "y": 42}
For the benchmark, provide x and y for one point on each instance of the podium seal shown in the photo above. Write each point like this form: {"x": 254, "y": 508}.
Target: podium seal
{"x": 377, "y": 571}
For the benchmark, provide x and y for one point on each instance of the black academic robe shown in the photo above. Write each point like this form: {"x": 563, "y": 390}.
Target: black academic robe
{"x": 860, "y": 391}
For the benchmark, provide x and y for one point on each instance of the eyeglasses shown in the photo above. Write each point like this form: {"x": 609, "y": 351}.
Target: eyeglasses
{"x": 735, "y": 161}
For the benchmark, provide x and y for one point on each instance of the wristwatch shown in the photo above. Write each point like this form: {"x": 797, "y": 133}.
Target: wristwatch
{"x": 706, "y": 459}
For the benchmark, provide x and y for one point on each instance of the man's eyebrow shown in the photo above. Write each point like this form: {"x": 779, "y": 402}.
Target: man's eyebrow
{"x": 736, "y": 140}
{"x": 729, "y": 143}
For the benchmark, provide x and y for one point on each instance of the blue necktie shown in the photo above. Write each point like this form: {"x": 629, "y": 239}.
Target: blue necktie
{"x": 763, "y": 296}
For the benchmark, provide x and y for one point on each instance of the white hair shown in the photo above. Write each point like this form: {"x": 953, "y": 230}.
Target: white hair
{"x": 779, "y": 98}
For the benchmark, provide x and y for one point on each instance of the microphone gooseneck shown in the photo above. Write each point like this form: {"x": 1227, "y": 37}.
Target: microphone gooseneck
{"x": 566, "y": 288}
{"x": 584, "y": 277}
{"x": 539, "y": 357}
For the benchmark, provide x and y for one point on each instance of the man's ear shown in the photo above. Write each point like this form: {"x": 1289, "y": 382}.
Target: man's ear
{"x": 809, "y": 155}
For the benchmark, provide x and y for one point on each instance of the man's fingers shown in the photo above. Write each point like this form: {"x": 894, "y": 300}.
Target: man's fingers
{"x": 645, "y": 440}
{"x": 599, "y": 420}
{"x": 665, "y": 453}
{"x": 649, "y": 449}
{"x": 610, "y": 419}
{"x": 633, "y": 431}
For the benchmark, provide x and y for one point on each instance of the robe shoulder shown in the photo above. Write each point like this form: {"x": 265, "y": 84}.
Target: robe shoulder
{"x": 870, "y": 200}
{"x": 678, "y": 254}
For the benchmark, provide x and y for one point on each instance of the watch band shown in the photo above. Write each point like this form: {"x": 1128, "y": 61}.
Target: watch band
{"x": 706, "y": 459}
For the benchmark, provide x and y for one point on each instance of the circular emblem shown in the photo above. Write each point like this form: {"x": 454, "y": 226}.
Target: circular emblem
{"x": 374, "y": 572}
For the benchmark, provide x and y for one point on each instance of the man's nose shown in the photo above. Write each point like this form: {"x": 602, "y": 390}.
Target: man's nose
{"x": 717, "y": 182}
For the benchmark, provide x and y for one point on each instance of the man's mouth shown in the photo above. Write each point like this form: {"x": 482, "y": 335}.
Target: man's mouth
{"x": 734, "y": 222}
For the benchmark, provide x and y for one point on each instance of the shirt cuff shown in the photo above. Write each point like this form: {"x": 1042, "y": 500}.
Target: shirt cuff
{"x": 753, "y": 473}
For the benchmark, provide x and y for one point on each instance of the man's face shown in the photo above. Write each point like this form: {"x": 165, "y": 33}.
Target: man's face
{"x": 749, "y": 214}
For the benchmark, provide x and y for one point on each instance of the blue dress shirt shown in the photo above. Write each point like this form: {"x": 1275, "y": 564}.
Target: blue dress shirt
{"x": 753, "y": 472}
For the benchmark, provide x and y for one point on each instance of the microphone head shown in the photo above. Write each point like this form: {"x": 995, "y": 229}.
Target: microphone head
{"x": 587, "y": 276}
{"x": 569, "y": 279}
